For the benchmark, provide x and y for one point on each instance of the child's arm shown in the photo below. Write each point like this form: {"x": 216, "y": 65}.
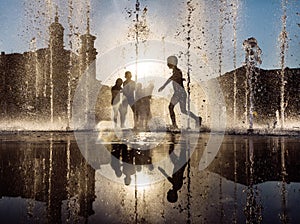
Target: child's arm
{"x": 164, "y": 85}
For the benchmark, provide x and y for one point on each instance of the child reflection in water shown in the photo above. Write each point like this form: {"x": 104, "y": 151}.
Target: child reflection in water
{"x": 143, "y": 158}
{"x": 118, "y": 151}
{"x": 122, "y": 157}
{"x": 116, "y": 162}
{"x": 128, "y": 167}
{"x": 178, "y": 171}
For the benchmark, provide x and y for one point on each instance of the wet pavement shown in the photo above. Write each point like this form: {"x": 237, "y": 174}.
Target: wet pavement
{"x": 47, "y": 178}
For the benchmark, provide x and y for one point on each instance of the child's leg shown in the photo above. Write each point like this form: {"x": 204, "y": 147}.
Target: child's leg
{"x": 123, "y": 113}
{"x": 173, "y": 102}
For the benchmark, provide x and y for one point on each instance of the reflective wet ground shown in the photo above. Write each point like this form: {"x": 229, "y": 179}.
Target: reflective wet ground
{"x": 45, "y": 178}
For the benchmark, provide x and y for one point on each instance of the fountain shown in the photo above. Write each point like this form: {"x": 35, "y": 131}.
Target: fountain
{"x": 42, "y": 99}
{"x": 252, "y": 60}
{"x": 190, "y": 8}
{"x": 283, "y": 38}
{"x": 82, "y": 176}
{"x": 234, "y": 27}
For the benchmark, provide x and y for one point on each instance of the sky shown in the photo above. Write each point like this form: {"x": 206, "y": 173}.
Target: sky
{"x": 111, "y": 24}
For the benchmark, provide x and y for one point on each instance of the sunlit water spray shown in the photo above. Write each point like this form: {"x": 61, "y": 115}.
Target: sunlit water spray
{"x": 222, "y": 9}
{"x": 283, "y": 38}
{"x": 51, "y": 48}
{"x": 44, "y": 26}
{"x": 138, "y": 31}
{"x": 234, "y": 26}
{"x": 252, "y": 60}
{"x": 253, "y": 208}
{"x": 71, "y": 33}
{"x": 137, "y": 11}
{"x": 190, "y": 8}
{"x": 41, "y": 16}
{"x": 284, "y": 214}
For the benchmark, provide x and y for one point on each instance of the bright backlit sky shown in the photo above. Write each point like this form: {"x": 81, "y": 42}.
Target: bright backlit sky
{"x": 164, "y": 18}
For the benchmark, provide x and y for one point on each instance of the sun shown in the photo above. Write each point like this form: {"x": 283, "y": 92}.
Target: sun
{"x": 142, "y": 69}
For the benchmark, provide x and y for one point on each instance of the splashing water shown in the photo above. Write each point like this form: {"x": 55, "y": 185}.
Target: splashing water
{"x": 234, "y": 26}
{"x": 137, "y": 10}
{"x": 283, "y": 47}
{"x": 139, "y": 31}
{"x": 252, "y": 59}
{"x": 71, "y": 33}
{"x": 190, "y": 8}
{"x": 221, "y": 28}
{"x": 41, "y": 14}
{"x": 284, "y": 214}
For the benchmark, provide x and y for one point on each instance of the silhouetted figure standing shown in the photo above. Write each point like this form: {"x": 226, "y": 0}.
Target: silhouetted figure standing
{"x": 179, "y": 95}
{"x": 116, "y": 100}
{"x": 138, "y": 104}
{"x": 128, "y": 99}
{"x": 142, "y": 105}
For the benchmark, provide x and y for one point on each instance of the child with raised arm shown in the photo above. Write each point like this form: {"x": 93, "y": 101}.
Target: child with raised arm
{"x": 179, "y": 95}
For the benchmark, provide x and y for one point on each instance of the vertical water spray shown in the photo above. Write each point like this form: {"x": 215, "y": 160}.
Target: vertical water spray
{"x": 283, "y": 215}
{"x": 68, "y": 185}
{"x": 221, "y": 207}
{"x": 253, "y": 208}
{"x": 246, "y": 99}
{"x": 188, "y": 148}
{"x": 235, "y": 182}
{"x": 49, "y": 202}
{"x": 51, "y": 85}
{"x": 69, "y": 72}
{"x": 249, "y": 210}
{"x": 48, "y": 56}
{"x": 36, "y": 21}
{"x": 51, "y": 46}
{"x": 28, "y": 168}
{"x": 251, "y": 182}
{"x": 189, "y": 25}
{"x": 34, "y": 29}
{"x": 137, "y": 10}
{"x": 139, "y": 31}
{"x": 33, "y": 49}
{"x": 252, "y": 60}
{"x": 283, "y": 47}
{"x": 221, "y": 29}
{"x": 83, "y": 182}
{"x": 86, "y": 54}
{"x": 222, "y": 8}
{"x": 234, "y": 26}
{"x": 36, "y": 177}
{"x": 135, "y": 198}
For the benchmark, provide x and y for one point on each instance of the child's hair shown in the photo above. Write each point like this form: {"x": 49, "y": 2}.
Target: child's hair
{"x": 128, "y": 74}
{"x": 119, "y": 81}
{"x": 172, "y": 196}
{"x": 172, "y": 60}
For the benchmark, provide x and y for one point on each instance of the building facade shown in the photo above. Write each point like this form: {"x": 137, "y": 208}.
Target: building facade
{"x": 41, "y": 84}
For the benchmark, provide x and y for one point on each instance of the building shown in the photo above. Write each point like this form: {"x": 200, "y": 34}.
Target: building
{"x": 266, "y": 87}
{"x": 40, "y": 84}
